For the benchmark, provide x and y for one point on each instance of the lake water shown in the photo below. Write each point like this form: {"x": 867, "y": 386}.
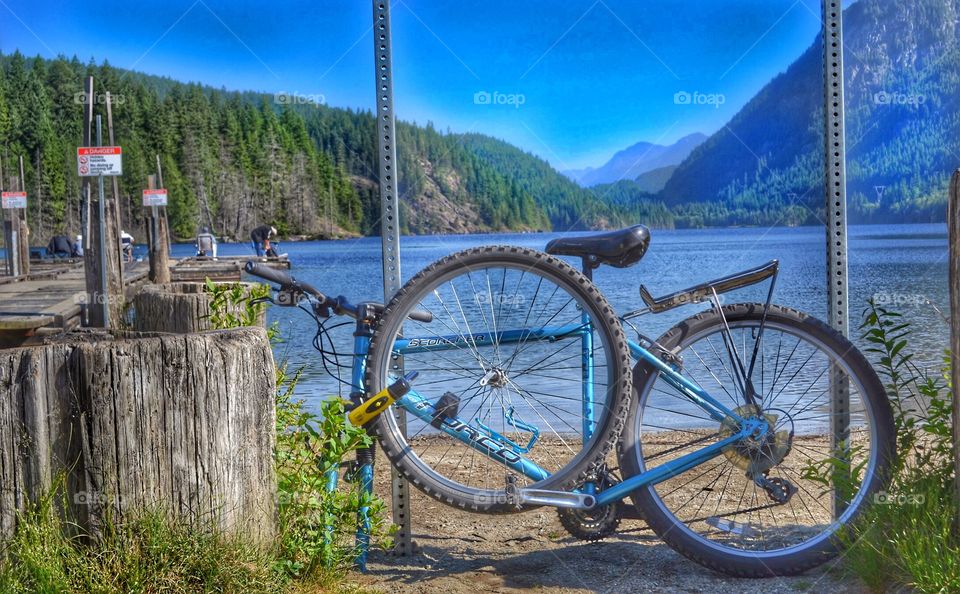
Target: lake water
{"x": 904, "y": 266}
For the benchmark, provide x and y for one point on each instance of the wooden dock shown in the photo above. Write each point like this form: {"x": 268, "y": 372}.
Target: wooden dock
{"x": 50, "y": 300}
{"x": 222, "y": 269}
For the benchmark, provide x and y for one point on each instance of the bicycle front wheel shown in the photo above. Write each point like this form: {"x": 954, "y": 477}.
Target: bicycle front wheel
{"x": 772, "y": 505}
{"x": 523, "y": 373}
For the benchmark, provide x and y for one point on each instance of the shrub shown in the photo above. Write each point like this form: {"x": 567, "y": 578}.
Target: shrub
{"x": 318, "y": 518}
{"x": 905, "y": 540}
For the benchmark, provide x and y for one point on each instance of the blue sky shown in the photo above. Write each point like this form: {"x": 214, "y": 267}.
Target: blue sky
{"x": 571, "y": 81}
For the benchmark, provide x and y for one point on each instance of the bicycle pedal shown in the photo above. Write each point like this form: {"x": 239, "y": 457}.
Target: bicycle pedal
{"x": 446, "y": 407}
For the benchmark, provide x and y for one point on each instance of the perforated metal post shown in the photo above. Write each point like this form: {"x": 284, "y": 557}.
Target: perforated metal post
{"x": 390, "y": 232}
{"x": 836, "y": 210}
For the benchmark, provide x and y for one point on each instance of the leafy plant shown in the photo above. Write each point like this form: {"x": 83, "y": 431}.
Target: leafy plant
{"x": 318, "y": 514}
{"x": 906, "y": 538}
{"x": 234, "y": 305}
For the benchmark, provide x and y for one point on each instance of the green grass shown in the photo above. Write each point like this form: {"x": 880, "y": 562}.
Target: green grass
{"x": 142, "y": 554}
{"x": 145, "y": 554}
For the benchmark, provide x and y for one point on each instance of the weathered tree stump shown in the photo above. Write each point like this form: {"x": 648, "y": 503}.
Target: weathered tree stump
{"x": 176, "y": 307}
{"x": 180, "y": 423}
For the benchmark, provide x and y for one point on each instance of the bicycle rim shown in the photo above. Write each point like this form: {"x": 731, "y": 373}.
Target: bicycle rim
{"x": 524, "y": 396}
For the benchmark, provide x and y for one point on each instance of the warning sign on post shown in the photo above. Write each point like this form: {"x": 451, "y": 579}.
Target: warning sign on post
{"x": 99, "y": 160}
{"x": 155, "y": 197}
{"x": 14, "y": 200}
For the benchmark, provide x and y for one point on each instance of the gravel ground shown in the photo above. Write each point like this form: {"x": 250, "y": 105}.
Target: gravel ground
{"x": 460, "y": 552}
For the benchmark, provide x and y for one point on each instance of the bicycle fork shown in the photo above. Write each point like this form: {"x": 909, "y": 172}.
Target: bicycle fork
{"x": 362, "y": 470}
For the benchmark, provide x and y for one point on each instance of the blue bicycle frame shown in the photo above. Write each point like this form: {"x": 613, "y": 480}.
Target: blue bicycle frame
{"x": 475, "y": 437}
{"x": 509, "y": 453}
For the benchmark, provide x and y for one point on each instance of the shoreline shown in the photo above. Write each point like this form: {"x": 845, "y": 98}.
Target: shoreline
{"x": 306, "y": 239}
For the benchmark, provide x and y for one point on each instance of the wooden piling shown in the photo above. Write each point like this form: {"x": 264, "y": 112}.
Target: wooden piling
{"x": 953, "y": 226}
{"x": 158, "y": 234}
{"x": 23, "y": 244}
{"x": 11, "y": 254}
{"x": 180, "y": 423}
{"x": 176, "y": 307}
{"x": 104, "y": 273}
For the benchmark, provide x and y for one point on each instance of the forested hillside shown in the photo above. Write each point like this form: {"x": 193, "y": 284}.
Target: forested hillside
{"x": 234, "y": 160}
{"x": 903, "y": 129}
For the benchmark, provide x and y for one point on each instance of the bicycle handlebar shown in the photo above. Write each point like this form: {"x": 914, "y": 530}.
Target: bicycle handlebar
{"x": 285, "y": 280}
{"x": 339, "y": 305}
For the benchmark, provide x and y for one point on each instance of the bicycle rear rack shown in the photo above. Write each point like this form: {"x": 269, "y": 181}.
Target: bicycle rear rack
{"x": 706, "y": 290}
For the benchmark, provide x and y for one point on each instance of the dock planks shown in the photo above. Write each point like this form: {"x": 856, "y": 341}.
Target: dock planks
{"x": 49, "y": 300}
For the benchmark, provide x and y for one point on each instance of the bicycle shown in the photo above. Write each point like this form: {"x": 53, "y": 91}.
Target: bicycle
{"x": 514, "y": 406}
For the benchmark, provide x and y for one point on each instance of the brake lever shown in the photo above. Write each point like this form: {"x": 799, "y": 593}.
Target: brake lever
{"x": 321, "y": 310}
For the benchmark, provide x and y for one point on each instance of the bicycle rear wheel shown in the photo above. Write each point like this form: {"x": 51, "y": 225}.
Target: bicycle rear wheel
{"x": 763, "y": 507}
{"x": 524, "y": 360}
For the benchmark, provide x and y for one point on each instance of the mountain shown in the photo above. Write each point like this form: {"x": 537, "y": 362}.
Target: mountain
{"x": 637, "y": 160}
{"x": 656, "y": 179}
{"x": 235, "y": 160}
{"x": 903, "y": 129}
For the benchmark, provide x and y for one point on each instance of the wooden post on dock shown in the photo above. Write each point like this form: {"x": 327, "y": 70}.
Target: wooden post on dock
{"x": 13, "y": 233}
{"x": 11, "y": 254}
{"x": 23, "y": 244}
{"x": 953, "y": 225}
{"x": 114, "y": 204}
{"x": 157, "y": 229}
{"x": 101, "y": 250}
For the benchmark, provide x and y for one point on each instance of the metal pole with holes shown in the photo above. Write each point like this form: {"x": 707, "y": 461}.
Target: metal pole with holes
{"x": 390, "y": 231}
{"x": 953, "y": 227}
{"x": 836, "y": 210}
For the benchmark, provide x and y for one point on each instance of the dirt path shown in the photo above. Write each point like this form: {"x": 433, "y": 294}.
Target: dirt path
{"x": 461, "y": 552}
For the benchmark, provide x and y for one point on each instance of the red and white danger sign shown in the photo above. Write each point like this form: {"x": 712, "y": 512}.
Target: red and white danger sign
{"x": 155, "y": 197}
{"x": 14, "y": 200}
{"x": 99, "y": 160}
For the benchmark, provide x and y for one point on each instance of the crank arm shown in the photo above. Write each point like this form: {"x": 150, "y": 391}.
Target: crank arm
{"x": 520, "y": 497}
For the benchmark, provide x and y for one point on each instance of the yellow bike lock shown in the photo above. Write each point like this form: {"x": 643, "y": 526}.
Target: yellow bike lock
{"x": 370, "y": 408}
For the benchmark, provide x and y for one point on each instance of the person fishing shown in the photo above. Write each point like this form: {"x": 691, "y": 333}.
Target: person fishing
{"x": 261, "y": 238}
{"x": 60, "y": 246}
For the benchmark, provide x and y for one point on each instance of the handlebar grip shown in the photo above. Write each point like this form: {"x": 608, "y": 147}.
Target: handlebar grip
{"x": 286, "y": 281}
{"x": 270, "y": 274}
